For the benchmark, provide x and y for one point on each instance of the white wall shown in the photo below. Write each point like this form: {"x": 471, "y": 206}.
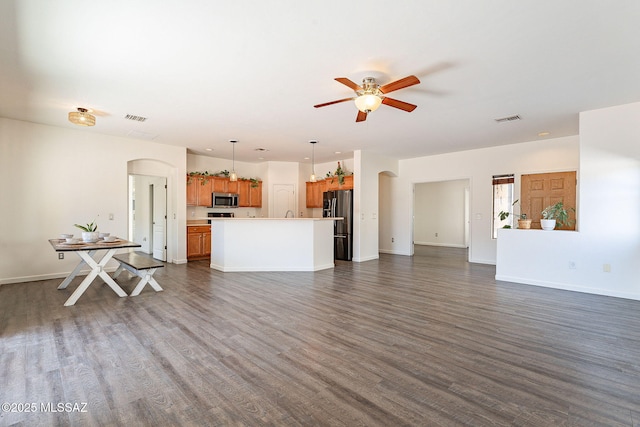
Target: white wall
{"x": 51, "y": 178}
{"x": 478, "y": 166}
{"x": 367, "y": 168}
{"x": 439, "y": 211}
{"x": 608, "y": 206}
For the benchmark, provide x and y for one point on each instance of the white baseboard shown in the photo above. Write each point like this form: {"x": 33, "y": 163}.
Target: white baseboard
{"x": 363, "y": 259}
{"x": 568, "y": 287}
{"x": 41, "y": 277}
{"x": 446, "y": 245}
{"x": 392, "y": 252}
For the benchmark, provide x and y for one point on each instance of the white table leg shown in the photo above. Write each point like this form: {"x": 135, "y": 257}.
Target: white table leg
{"x": 75, "y": 272}
{"x": 97, "y": 269}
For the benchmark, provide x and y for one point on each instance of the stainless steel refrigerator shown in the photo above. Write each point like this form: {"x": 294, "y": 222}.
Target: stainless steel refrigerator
{"x": 340, "y": 204}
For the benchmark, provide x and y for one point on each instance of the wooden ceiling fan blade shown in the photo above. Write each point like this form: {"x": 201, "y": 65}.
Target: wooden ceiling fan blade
{"x": 333, "y": 102}
{"x": 398, "y": 104}
{"x": 345, "y": 81}
{"x": 361, "y": 117}
{"x": 399, "y": 84}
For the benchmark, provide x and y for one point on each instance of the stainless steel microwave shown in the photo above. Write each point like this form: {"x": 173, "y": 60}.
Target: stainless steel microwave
{"x": 224, "y": 200}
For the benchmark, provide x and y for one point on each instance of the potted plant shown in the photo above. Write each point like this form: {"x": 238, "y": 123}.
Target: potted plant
{"x": 523, "y": 221}
{"x": 89, "y": 231}
{"x": 556, "y": 216}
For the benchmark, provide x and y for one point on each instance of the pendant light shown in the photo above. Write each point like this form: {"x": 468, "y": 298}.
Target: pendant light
{"x": 312, "y": 178}
{"x": 233, "y": 176}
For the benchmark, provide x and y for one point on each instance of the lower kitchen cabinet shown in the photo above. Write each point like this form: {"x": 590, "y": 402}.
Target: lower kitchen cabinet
{"x": 198, "y": 242}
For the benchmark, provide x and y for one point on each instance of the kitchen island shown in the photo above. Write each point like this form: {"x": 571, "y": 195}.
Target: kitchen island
{"x": 272, "y": 244}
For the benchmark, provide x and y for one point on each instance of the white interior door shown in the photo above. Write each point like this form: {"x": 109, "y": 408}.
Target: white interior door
{"x": 284, "y": 200}
{"x": 158, "y": 192}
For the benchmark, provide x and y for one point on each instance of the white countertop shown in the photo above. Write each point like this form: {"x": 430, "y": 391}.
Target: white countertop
{"x": 272, "y": 219}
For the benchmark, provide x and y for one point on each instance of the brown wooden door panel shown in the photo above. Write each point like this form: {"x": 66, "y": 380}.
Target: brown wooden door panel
{"x": 537, "y": 191}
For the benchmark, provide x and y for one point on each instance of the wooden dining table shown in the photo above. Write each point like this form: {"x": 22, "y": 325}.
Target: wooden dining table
{"x": 86, "y": 252}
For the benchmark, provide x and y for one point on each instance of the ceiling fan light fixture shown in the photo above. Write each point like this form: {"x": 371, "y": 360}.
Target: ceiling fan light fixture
{"x": 368, "y": 102}
{"x": 82, "y": 117}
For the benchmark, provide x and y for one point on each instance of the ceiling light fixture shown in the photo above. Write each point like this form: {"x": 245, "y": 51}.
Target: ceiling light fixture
{"x": 368, "y": 103}
{"x": 233, "y": 176}
{"x": 82, "y": 117}
{"x": 368, "y": 99}
{"x": 312, "y": 178}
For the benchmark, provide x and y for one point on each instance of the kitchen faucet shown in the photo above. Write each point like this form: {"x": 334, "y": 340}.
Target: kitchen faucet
{"x": 287, "y": 214}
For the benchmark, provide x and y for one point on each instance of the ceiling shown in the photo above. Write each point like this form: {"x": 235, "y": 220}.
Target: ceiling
{"x": 204, "y": 72}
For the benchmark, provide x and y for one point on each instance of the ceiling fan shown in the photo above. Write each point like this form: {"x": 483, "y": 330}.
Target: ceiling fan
{"x": 369, "y": 96}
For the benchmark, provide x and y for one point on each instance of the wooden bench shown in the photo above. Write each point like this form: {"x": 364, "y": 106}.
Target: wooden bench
{"x": 140, "y": 265}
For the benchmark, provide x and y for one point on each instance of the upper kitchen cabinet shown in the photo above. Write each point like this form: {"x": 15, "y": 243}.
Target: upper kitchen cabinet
{"x": 314, "y": 193}
{"x": 333, "y": 183}
{"x": 199, "y": 190}
{"x": 250, "y": 193}
{"x": 222, "y": 184}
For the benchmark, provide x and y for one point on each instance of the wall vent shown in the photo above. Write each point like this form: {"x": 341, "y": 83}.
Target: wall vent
{"x": 135, "y": 118}
{"x": 508, "y": 119}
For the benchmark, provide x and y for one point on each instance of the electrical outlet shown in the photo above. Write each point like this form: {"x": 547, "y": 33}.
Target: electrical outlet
{"x": 436, "y": 234}
{"x": 60, "y": 255}
{"x": 393, "y": 240}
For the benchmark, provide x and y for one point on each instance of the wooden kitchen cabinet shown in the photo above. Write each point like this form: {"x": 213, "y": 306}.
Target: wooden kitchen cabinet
{"x": 333, "y": 183}
{"x": 219, "y": 184}
{"x": 204, "y": 192}
{"x": 192, "y": 191}
{"x": 223, "y": 184}
{"x": 250, "y": 194}
{"x": 233, "y": 187}
{"x": 314, "y": 194}
{"x": 243, "y": 193}
{"x": 198, "y": 242}
{"x": 255, "y": 195}
{"x": 315, "y": 189}
{"x": 199, "y": 190}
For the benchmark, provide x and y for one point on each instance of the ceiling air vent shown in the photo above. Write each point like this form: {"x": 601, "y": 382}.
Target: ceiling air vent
{"x": 135, "y": 118}
{"x": 508, "y": 119}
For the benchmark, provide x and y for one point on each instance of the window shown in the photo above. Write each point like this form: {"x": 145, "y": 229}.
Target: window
{"x": 502, "y": 201}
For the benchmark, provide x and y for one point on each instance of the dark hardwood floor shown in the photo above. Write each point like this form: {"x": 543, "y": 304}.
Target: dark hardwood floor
{"x": 429, "y": 340}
